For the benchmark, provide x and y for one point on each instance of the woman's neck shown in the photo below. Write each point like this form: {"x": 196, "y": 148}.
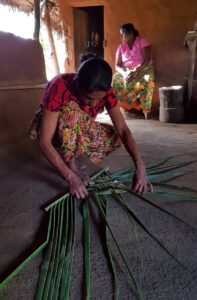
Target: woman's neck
{"x": 130, "y": 43}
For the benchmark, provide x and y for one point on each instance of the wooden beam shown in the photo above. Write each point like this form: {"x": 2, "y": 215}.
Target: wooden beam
{"x": 36, "y": 19}
{"x": 191, "y": 41}
{"x": 47, "y": 22}
{"x": 192, "y": 48}
{"x": 79, "y": 3}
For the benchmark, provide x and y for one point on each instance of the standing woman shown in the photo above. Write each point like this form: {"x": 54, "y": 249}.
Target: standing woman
{"x": 134, "y": 77}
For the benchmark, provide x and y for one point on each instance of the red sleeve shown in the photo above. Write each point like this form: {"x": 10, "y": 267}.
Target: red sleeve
{"x": 110, "y": 99}
{"x": 56, "y": 94}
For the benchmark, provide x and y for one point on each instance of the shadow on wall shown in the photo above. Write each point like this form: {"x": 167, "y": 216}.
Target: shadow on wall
{"x": 22, "y": 80}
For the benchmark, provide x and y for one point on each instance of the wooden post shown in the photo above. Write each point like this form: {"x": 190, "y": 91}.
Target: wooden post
{"x": 66, "y": 48}
{"x": 47, "y": 22}
{"x": 37, "y": 20}
{"x": 192, "y": 47}
{"x": 191, "y": 41}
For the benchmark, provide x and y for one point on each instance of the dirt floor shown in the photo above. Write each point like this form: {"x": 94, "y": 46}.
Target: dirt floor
{"x": 28, "y": 183}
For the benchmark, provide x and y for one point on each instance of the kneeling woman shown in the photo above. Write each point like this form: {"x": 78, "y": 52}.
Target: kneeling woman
{"x": 70, "y": 106}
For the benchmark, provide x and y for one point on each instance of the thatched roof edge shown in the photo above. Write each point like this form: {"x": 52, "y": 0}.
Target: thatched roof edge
{"x": 23, "y": 6}
{"x": 27, "y": 6}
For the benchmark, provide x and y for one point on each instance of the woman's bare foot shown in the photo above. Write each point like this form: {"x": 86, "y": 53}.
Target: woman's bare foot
{"x": 147, "y": 115}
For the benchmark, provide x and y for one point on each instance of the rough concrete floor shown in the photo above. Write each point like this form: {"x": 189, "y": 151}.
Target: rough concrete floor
{"x": 28, "y": 183}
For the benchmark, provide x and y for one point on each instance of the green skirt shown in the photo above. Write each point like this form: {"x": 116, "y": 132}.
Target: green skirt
{"x": 137, "y": 92}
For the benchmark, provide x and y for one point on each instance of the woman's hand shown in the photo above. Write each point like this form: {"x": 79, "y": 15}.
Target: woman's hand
{"x": 77, "y": 186}
{"x": 131, "y": 74}
{"x": 126, "y": 75}
{"x": 140, "y": 182}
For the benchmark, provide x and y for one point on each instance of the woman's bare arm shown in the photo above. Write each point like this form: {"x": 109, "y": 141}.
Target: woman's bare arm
{"x": 119, "y": 68}
{"x": 48, "y": 127}
{"x": 140, "y": 183}
{"x": 146, "y": 53}
{"x": 118, "y": 64}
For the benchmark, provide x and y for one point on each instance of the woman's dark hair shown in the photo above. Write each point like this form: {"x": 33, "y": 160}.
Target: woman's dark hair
{"x": 94, "y": 74}
{"x": 86, "y": 56}
{"x": 129, "y": 28}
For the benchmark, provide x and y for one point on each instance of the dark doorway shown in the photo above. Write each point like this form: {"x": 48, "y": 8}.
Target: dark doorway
{"x": 88, "y": 31}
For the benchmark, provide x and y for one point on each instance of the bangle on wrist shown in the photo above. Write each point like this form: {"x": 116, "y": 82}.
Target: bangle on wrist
{"x": 140, "y": 166}
{"x": 68, "y": 177}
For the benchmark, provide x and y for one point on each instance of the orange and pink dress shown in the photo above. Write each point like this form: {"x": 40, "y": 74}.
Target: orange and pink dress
{"x": 77, "y": 130}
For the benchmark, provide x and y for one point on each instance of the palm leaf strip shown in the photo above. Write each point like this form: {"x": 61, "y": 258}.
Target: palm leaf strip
{"x": 153, "y": 170}
{"x": 130, "y": 212}
{"x": 67, "y": 264}
{"x": 52, "y": 259}
{"x": 162, "y": 162}
{"x": 53, "y": 293}
{"x": 151, "y": 203}
{"x": 27, "y": 260}
{"x": 46, "y": 265}
{"x": 86, "y": 242}
{"x": 175, "y": 194}
{"x": 57, "y": 201}
{"x": 56, "y": 268}
{"x": 104, "y": 202}
{"x": 136, "y": 289}
{"x": 175, "y": 187}
{"x": 171, "y": 167}
{"x": 131, "y": 219}
{"x": 63, "y": 247}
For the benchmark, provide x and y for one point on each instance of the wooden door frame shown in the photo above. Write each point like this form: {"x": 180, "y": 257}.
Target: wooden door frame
{"x": 80, "y": 4}
{"x": 80, "y": 34}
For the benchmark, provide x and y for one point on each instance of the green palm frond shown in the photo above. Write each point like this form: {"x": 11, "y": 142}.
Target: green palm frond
{"x": 86, "y": 222}
{"x": 56, "y": 270}
{"x": 136, "y": 288}
{"x": 109, "y": 255}
{"x": 130, "y": 212}
{"x": 153, "y": 204}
